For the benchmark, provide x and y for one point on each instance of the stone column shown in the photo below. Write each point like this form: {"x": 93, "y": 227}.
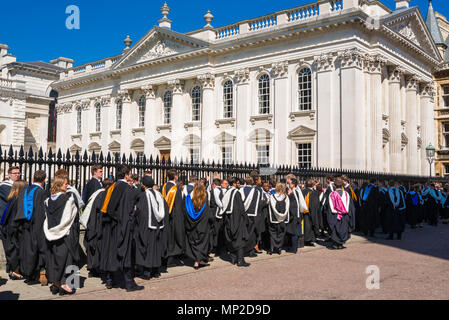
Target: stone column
{"x": 353, "y": 110}
{"x": 106, "y": 123}
{"x": 411, "y": 131}
{"x": 209, "y": 150}
{"x": 242, "y": 113}
{"x": 427, "y": 128}
{"x": 125, "y": 136}
{"x": 178, "y": 120}
{"x": 395, "y": 119}
{"x": 150, "y": 120}
{"x": 281, "y": 111}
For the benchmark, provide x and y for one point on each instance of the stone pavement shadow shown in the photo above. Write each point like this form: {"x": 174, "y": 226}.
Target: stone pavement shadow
{"x": 9, "y": 295}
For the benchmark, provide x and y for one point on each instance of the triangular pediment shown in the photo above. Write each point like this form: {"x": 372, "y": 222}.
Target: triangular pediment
{"x": 410, "y": 26}
{"x": 114, "y": 145}
{"x": 158, "y": 43}
{"x": 300, "y": 132}
{"x": 162, "y": 142}
{"x": 224, "y": 138}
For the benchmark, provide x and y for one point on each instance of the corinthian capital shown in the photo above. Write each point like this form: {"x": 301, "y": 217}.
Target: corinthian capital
{"x": 351, "y": 58}
{"x": 412, "y": 83}
{"x": 207, "y": 80}
{"x": 395, "y": 74}
{"x": 324, "y": 62}
{"x": 124, "y": 95}
{"x": 148, "y": 91}
{"x": 374, "y": 63}
{"x": 280, "y": 69}
{"x": 176, "y": 86}
{"x": 242, "y": 75}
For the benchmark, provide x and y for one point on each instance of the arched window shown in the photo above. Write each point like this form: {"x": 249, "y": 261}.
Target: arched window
{"x": 196, "y": 104}
{"x": 264, "y": 94}
{"x": 97, "y": 117}
{"x": 167, "y": 107}
{"x": 305, "y": 89}
{"x": 78, "y": 121}
{"x": 142, "y": 108}
{"x": 228, "y": 99}
{"x": 118, "y": 119}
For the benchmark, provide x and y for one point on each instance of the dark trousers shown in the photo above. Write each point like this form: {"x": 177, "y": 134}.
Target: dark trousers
{"x": 294, "y": 247}
{"x": 237, "y": 255}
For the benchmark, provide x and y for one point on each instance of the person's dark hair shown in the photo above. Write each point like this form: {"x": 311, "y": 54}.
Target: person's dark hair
{"x": 11, "y": 169}
{"x": 330, "y": 177}
{"x": 148, "y": 182}
{"x": 107, "y": 183}
{"x": 283, "y": 181}
{"x": 193, "y": 179}
{"x": 232, "y": 180}
{"x": 122, "y": 170}
{"x": 372, "y": 180}
{"x": 148, "y": 173}
{"x": 217, "y": 182}
{"x": 135, "y": 177}
{"x": 338, "y": 182}
{"x": 319, "y": 188}
{"x": 95, "y": 168}
{"x": 294, "y": 181}
{"x": 310, "y": 183}
{"x": 345, "y": 178}
{"x": 39, "y": 176}
{"x": 249, "y": 181}
{"x": 171, "y": 174}
{"x": 242, "y": 181}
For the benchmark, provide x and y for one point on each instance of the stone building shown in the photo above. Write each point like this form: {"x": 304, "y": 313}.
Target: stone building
{"x": 27, "y": 102}
{"x": 335, "y": 83}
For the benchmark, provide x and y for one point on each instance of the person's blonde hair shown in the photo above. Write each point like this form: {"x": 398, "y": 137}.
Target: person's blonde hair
{"x": 16, "y": 188}
{"x": 280, "y": 189}
{"x": 199, "y": 195}
{"x": 57, "y": 184}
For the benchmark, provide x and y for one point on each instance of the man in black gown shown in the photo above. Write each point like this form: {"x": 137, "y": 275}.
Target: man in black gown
{"x": 311, "y": 214}
{"x": 94, "y": 184}
{"x": 369, "y": 208}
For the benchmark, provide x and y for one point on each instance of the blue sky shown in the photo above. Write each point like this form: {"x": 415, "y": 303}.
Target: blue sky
{"x": 35, "y": 30}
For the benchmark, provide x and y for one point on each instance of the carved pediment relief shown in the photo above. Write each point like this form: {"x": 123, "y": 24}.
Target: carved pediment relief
{"x": 405, "y": 29}
{"x": 162, "y": 142}
{"x": 301, "y": 132}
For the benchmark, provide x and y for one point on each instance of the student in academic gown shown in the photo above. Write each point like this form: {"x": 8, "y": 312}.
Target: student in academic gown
{"x": 61, "y": 229}
{"x": 151, "y": 217}
{"x": 5, "y": 186}
{"x": 353, "y": 193}
{"x": 91, "y": 220}
{"x": 62, "y": 173}
{"x": 262, "y": 214}
{"x": 197, "y": 214}
{"x": 29, "y": 219}
{"x": 433, "y": 205}
{"x": 413, "y": 204}
{"x": 325, "y": 200}
{"x": 396, "y": 211}
{"x": 217, "y": 242}
{"x": 279, "y": 216}
{"x": 94, "y": 183}
{"x": 117, "y": 223}
{"x": 383, "y": 203}
{"x": 297, "y": 208}
{"x": 311, "y": 213}
{"x": 9, "y": 231}
{"x": 251, "y": 197}
{"x": 176, "y": 230}
{"x": 234, "y": 223}
{"x": 369, "y": 208}
{"x": 445, "y": 206}
{"x": 340, "y": 214}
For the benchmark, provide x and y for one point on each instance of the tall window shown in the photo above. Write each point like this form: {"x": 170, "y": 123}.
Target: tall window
{"x": 263, "y": 154}
{"x": 446, "y": 169}
{"x": 98, "y": 118}
{"x": 445, "y": 95}
{"x": 142, "y": 108}
{"x": 264, "y": 94}
{"x": 226, "y": 153}
{"x": 118, "y": 120}
{"x": 305, "y": 89}
{"x": 52, "y": 123}
{"x": 304, "y": 155}
{"x": 78, "y": 121}
{"x": 195, "y": 155}
{"x": 228, "y": 99}
{"x": 196, "y": 104}
{"x": 167, "y": 107}
{"x": 446, "y": 134}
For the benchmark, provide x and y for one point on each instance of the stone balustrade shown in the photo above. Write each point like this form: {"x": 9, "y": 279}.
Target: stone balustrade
{"x": 12, "y": 84}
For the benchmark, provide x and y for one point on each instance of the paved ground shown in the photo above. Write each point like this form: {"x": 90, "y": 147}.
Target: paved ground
{"x": 414, "y": 268}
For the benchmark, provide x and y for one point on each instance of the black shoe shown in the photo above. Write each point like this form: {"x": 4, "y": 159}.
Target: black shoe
{"x": 156, "y": 275}
{"x": 253, "y": 254}
{"x": 32, "y": 282}
{"x": 135, "y": 288}
{"x": 309, "y": 244}
{"x": 269, "y": 253}
{"x": 334, "y": 246}
{"x": 54, "y": 290}
{"x": 63, "y": 292}
{"x": 109, "y": 285}
{"x": 146, "y": 276}
{"x": 243, "y": 263}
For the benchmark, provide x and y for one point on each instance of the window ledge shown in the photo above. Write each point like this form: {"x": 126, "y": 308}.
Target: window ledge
{"x": 95, "y": 134}
{"x": 163, "y": 127}
{"x": 115, "y": 132}
{"x": 137, "y": 130}
{"x": 220, "y": 122}
{"x": 261, "y": 117}
{"x": 305, "y": 113}
{"x": 77, "y": 136}
{"x": 192, "y": 124}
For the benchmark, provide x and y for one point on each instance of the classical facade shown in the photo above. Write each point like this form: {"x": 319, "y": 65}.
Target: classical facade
{"x": 27, "y": 102}
{"x": 336, "y": 83}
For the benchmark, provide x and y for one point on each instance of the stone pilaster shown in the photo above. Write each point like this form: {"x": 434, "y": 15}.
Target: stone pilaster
{"x": 395, "y": 76}
{"x": 209, "y": 150}
{"x": 412, "y": 84}
{"x": 178, "y": 119}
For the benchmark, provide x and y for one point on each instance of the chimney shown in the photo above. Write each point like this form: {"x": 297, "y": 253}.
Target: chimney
{"x": 402, "y": 4}
{"x": 6, "y": 57}
{"x": 62, "y": 62}
{"x": 165, "y": 22}
{"x": 3, "y": 50}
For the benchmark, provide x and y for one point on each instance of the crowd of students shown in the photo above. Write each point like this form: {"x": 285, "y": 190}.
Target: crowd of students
{"x": 135, "y": 228}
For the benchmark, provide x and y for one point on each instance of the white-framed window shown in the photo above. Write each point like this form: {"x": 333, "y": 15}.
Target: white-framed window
{"x": 228, "y": 99}
{"x": 446, "y": 169}
{"x": 196, "y": 103}
{"x": 445, "y": 94}
{"x": 118, "y": 115}
{"x": 446, "y": 134}
{"x": 195, "y": 155}
{"x": 226, "y": 155}
{"x": 167, "y": 107}
{"x": 78, "y": 120}
{"x": 142, "y": 109}
{"x": 304, "y": 155}
{"x": 97, "y": 117}
{"x": 264, "y": 94}
{"x": 263, "y": 154}
{"x": 305, "y": 89}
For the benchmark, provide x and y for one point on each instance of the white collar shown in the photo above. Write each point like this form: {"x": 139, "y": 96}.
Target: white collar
{"x": 123, "y": 180}
{"x": 36, "y": 184}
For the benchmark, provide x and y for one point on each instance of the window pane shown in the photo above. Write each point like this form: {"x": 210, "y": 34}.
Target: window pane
{"x": 98, "y": 118}
{"x": 228, "y": 99}
{"x": 304, "y": 155}
{"x": 305, "y": 89}
{"x": 195, "y": 155}
{"x": 142, "y": 108}
{"x": 264, "y": 94}
{"x": 263, "y": 154}
{"x": 78, "y": 121}
{"x": 167, "y": 107}
{"x": 196, "y": 104}
{"x": 446, "y": 101}
{"x": 118, "y": 125}
{"x": 446, "y": 89}
{"x": 446, "y": 140}
{"x": 227, "y": 155}
{"x": 446, "y": 168}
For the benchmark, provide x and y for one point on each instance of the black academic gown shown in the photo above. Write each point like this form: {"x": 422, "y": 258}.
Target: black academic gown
{"x": 340, "y": 230}
{"x": 234, "y": 224}
{"x": 355, "y": 198}
{"x": 151, "y": 243}
{"x": 91, "y": 187}
{"x": 413, "y": 211}
{"x": 294, "y": 226}
{"x": 5, "y": 189}
{"x": 277, "y": 228}
{"x": 369, "y": 210}
{"x": 198, "y": 234}
{"x": 395, "y": 217}
{"x": 176, "y": 229}
{"x": 30, "y": 234}
{"x": 254, "y": 216}
{"x": 311, "y": 218}
{"x": 65, "y": 251}
{"x": 217, "y": 237}
{"x": 9, "y": 236}
{"x": 92, "y": 235}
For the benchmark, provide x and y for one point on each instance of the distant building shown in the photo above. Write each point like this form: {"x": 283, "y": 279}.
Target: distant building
{"x": 27, "y": 101}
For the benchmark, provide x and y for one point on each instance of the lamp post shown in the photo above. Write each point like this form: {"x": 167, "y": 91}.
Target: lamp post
{"x": 430, "y": 153}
